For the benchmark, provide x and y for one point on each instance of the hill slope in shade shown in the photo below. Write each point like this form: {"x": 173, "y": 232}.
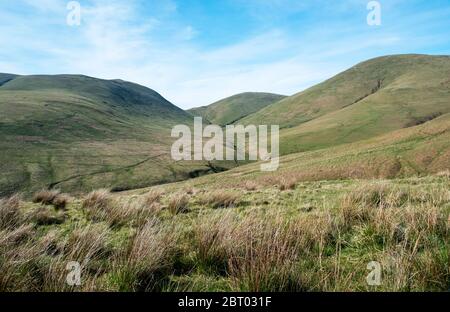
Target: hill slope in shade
{"x": 77, "y": 133}
{"x": 370, "y": 99}
{"x": 234, "y": 108}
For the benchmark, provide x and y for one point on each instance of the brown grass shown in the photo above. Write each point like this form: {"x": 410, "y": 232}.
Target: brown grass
{"x": 220, "y": 199}
{"x": 250, "y": 186}
{"x": 152, "y": 197}
{"x": 211, "y": 235}
{"x": 87, "y": 243}
{"x": 10, "y": 214}
{"x": 259, "y": 253}
{"x": 286, "y": 184}
{"x": 151, "y": 252}
{"x": 52, "y": 197}
{"x": 96, "y": 200}
{"x": 45, "y": 216}
{"x": 178, "y": 203}
{"x": 100, "y": 206}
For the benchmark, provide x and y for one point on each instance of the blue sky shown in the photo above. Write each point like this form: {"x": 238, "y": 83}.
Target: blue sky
{"x": 197, "y": 51}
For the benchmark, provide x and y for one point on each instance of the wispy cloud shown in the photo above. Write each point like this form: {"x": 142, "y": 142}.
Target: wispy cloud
{"x": 164, "y": 45}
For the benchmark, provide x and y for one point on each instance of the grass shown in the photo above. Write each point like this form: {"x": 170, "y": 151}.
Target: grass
{"x": 77, "y": 133}
{"x": 234, "y": 108}
{"x": 52, "y": 197}
{"x": 370, "y": 99}
{"x": 178, "y": 203}
{"x": 369, "y": 182}
{"x": 220, "y": 199}
{"x": 267, "y": 241}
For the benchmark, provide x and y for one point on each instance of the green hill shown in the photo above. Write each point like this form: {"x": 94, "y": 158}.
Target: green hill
{"x": 232, "y": 109}
{"x": 416, "y": 151}
{"x": 78, "y": 133}
{"x": 370, "y": 99}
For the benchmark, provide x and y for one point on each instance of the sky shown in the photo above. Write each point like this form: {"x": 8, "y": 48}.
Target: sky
{"x": 195, "y": 52}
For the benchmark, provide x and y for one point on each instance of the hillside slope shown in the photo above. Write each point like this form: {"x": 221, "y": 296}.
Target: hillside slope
{"x": 77, "y": 133}
{"x": 370, "y": 99}
{"x": 416, "y": 151}
{"x": 234, "y": 108}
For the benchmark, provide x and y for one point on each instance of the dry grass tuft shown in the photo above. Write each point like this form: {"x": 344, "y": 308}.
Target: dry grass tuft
{"x": 152, "y": 197}
{"x": 87, "y": 243}
{"x": 45, "y": 197}
{"x": 100, "y": 206}
{"x": 96, "y": 200}
{"x": 211, "y": 235}
{"x": 151, "y": 252}
{"x": 220, "y": 199}
{"x": 10, "y": 214}
{"x": 264, "y": 255}
{"x": 51, "y": 197}
{"x": 45, "y": 216}
{"x": 286, "y": 184}
{"x": 445, "y": 174}
{"x": 16, "y": 236}
{"x": 178, "y": 203}
{"x": 61, "y": 201}
{"x": 250, "y": 186}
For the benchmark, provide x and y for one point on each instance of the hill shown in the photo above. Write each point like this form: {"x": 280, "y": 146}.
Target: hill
{"x": 416, "y": 151}
{"x": 234, "y": 108}
{"x": 77, "y": 133}
{"x": 373, "y": 98}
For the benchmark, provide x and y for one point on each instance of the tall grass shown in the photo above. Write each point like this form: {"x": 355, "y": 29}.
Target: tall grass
{"x": 129, "y": 244}
{"x": 10, "y": 214}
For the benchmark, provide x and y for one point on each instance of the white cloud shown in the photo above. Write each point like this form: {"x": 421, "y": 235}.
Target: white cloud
{"x": 116, "y": 40}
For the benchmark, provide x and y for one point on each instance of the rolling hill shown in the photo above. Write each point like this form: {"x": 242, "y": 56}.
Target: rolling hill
{"x": 412, "y": 152}
{"x": 234, "y": 108}
{"x": 373, "y": 98}
{"x": 78, "y": 133}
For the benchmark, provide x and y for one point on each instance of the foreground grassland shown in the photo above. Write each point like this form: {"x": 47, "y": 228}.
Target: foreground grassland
{"x": 287, "y": 236}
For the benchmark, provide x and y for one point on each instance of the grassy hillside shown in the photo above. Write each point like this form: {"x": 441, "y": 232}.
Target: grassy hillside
{"x": 312, "y": 236}
{"x": 232, "y": 109}
{"x": 377, "y": 194}
{"x": 415, "y": 151}
{"x": 78, "y": 133}
{"x": 370, "y": 99}
{"x": 314, "y": 225}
